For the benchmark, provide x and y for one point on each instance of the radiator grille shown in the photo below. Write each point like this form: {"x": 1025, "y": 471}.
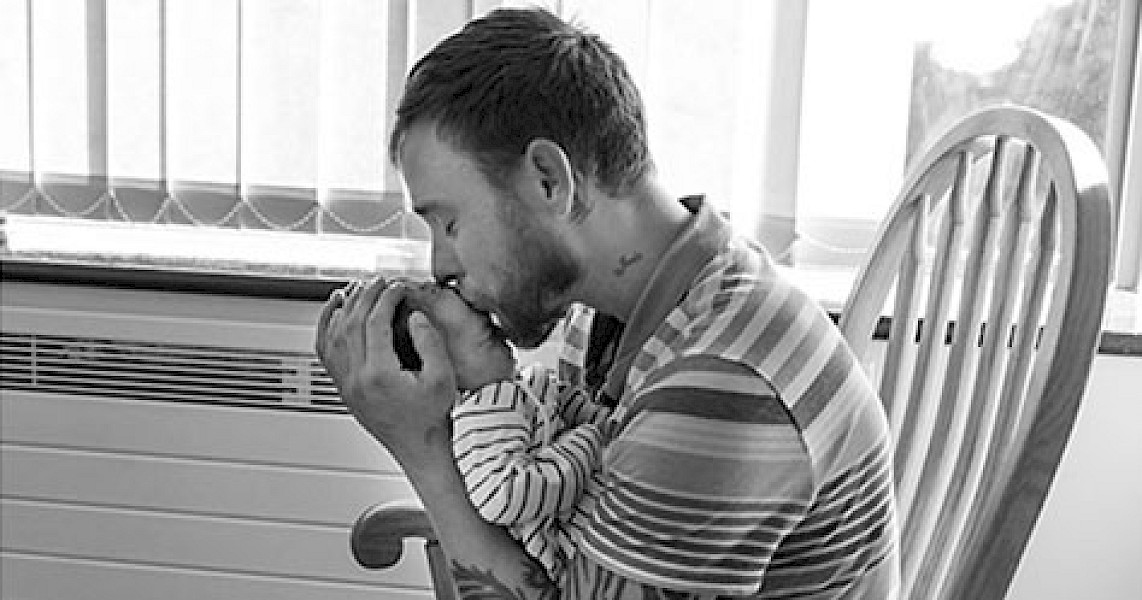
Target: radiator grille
{"x": 165, "y": 372}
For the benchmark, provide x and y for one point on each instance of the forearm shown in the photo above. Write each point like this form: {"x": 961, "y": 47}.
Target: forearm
{"x": 485, "y": 561}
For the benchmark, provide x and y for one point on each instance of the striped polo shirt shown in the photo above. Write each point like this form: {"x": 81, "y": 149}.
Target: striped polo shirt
{"x": 748, "y": 454}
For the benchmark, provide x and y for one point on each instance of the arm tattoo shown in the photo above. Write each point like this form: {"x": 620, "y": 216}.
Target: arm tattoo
{"x": 625, "y": 262}
{"x": 473, "y": 584}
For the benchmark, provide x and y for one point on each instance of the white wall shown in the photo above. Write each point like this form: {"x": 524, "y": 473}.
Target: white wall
{"x": 1088, "y": 543}
{"x": 133, "y": 499}
{"x": 229, "y": 501}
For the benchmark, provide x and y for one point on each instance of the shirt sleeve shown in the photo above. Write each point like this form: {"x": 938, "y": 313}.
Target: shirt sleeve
{"x": 570, "y": 402}
{"x": 509, "y": 477}
{"x": 706, "y": 475}
{"x": 576, "y": 406}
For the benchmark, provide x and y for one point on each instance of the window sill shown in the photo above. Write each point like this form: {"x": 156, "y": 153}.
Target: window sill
{"x": 1122, "y": 330}
{"x": 1122, "y": 323}
{"x": 170, "y": 280}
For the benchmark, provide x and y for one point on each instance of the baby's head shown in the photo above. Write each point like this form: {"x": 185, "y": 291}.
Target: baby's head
{"x": 479, "y": 352}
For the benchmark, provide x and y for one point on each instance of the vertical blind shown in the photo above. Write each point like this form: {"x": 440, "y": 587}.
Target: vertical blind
{"x": 270, "y": 116}
{"x": 253, "y": 115}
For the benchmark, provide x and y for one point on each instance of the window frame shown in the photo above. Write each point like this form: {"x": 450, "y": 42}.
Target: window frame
{"x": 1126, "y": 167}
{"x": 1124, "y": 162}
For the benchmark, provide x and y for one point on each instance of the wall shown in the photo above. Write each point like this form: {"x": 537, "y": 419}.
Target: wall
{"x": 110, "y": 496}
{"x": 1088, "y": 543}
{"x": 134, "y": 499}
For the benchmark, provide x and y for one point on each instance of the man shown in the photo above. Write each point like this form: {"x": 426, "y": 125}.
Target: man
{"x": 747, "y": 454}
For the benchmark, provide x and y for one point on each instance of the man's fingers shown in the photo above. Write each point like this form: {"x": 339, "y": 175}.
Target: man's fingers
{"x": 352, "y": 292}
{"x": 335, "y": 301}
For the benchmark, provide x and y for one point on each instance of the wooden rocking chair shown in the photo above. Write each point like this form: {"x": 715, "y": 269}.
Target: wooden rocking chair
{"x": 993, "y": 265}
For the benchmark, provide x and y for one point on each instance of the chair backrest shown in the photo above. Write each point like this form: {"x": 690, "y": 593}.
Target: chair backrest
{"x": 993, "y": 264}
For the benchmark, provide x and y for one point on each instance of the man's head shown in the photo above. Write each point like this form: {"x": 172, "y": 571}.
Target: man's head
{"x": 502, "y": 130}
{"x": 516, "y": 75}
{"x": 479, "y": 354}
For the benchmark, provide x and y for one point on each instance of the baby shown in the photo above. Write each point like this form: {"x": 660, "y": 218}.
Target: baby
{"x": 525, "y": 446}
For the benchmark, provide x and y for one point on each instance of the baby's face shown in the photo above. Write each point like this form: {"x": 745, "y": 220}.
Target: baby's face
{"x": 479, "y": 352}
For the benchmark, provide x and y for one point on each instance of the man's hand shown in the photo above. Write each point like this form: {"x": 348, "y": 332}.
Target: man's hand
{"x": 407, "y": 411}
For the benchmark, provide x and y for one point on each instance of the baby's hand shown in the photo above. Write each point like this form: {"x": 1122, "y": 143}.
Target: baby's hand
{"x": 406, "y": 411}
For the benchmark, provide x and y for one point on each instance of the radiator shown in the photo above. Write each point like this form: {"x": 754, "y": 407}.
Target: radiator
{"x": 174, "y": 445}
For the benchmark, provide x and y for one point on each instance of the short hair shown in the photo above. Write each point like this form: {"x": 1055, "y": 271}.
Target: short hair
{"x": 516, "y": 75}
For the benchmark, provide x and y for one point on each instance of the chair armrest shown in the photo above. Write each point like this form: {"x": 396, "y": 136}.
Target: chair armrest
{"x": 377, "y": 537}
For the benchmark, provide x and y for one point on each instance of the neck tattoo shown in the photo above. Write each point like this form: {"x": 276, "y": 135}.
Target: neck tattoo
{"x": 625, "y": 262}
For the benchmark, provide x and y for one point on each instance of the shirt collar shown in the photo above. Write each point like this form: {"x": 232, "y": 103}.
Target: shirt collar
{"x": 700, "y": 240}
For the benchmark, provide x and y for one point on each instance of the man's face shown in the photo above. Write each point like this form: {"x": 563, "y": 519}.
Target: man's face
{"x": 497, "y": 249}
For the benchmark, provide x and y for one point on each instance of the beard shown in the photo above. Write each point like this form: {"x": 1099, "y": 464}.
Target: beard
{"x": 531, "y": 303}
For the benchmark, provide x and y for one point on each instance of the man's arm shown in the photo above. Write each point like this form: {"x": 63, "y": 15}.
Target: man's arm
{"x": 408, "y": 413}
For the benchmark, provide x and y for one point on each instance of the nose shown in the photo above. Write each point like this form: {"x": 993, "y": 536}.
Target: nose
{"x": 446, "y": 269}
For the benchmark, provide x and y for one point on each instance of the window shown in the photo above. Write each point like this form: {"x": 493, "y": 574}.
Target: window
{"x": 230, "y": 135}
{"x": 799, "y": 118}
{"x": 249, "y": 135}
{"x": 935, "y": 62}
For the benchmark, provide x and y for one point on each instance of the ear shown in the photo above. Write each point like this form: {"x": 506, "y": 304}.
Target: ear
{"x": 549, "y": 176}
